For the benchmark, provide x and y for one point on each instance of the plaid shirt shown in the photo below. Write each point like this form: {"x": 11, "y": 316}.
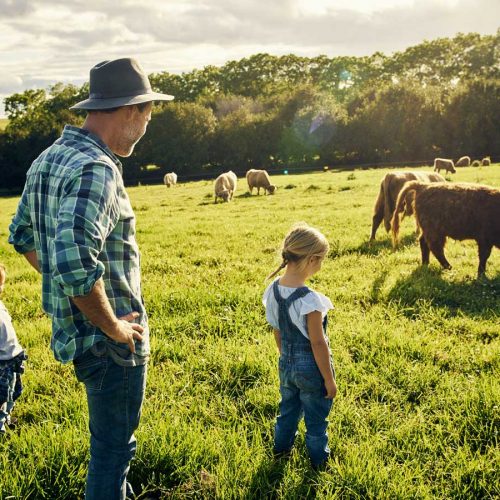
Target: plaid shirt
{"x": 76, "y": 214}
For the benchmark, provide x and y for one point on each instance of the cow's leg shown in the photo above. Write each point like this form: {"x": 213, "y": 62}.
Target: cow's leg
{"x": 258, "y": 191}
{"x": 437, "y": 248}
{"x": 377, "y": 219}
{"x": 424, "y": 248}
{"x": 484, "y": 253}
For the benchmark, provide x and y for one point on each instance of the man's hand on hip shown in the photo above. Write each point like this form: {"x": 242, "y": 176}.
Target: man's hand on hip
{"x": 126, "y": 332}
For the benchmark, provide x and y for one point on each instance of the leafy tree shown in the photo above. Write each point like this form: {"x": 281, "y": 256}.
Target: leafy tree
{"x": 472, "y": 119}
{"x": 178, "y": 138}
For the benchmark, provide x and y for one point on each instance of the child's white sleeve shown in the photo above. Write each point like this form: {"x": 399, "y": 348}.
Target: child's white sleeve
{"x": 315, "y": 301}
{"x": 271, "y": 307}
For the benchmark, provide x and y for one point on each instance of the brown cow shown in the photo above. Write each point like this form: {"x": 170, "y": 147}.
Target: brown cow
{"x": 485, "y": 162}
{"x": 461, "y": 211}
{"x": 463, "y": 161}
{"x": 260, "y": 179}
{"x": 390, "y": 186}
{"x": 444, "y": 163}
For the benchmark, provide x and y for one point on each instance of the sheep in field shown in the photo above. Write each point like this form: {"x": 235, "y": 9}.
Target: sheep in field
{"x": 461, "y": 211}
{"x": 464, "y": 161}
{"x": 390, "y": 186}
{"x": 260, "y": 179}
{"x": 476, "y": 163}
{"x": 225, "y": 186}
{"x": 170, "y": 179}
{"x": 485, "y": 162}
{"x": 444, "y": 163}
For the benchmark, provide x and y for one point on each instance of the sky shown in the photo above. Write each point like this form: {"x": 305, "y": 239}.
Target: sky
{"x": 49, "y": 41}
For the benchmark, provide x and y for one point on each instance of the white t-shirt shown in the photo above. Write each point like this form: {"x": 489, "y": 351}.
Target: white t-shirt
{"x": 313, "y": 301}
{"x": 9, "y": 345}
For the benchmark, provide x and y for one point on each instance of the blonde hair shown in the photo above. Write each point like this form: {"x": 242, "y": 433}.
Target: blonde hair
{"x": 301, "y": 243}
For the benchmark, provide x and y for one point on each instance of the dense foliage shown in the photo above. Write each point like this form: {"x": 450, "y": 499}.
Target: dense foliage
{"x": 439, "y": 98}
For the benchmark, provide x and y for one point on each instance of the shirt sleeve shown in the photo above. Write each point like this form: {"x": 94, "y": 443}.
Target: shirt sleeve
{"x": 88, "y": 212}
{"x": 21, "y": 228}
{"x": 271, "y": 306}
{"x": 315, "y": 301}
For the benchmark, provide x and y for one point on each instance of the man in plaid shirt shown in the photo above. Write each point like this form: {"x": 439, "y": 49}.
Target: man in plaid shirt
{"x": 76, "y": 226}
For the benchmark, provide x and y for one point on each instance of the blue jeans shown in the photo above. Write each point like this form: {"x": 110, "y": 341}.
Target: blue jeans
{"x": 114, "y": 396}
{"x": 303, "y": 393}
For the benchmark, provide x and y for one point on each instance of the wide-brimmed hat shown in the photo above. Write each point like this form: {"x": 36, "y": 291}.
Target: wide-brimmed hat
{"x": 121, "y": 82}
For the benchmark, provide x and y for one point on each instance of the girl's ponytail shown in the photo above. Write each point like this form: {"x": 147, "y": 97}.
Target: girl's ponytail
{"x": 301, "y": 242}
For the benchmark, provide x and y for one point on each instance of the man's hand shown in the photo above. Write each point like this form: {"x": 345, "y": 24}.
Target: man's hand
{"x": 331, "y": 389}
{"x": 125, "y": 332}
{"x": 98, "y": 310}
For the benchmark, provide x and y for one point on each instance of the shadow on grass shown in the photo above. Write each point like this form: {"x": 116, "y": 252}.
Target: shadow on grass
{"x": 426, "y": 286}
{"x": 371, "y": 247}
{"x": 266, "y": 480}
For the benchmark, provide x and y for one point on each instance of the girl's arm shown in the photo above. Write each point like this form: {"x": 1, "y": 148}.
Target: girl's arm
{"x": 321, "y": 352}
{"x": 277, "y": 337}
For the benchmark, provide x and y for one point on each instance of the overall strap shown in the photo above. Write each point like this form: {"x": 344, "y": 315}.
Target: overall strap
{"x": 289, "y": 331}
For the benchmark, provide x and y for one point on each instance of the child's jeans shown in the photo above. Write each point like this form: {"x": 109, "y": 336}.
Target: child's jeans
{"x": 303, "y": 393}
{"x": 7, "y": 406}
{"x": 10, "y": 386}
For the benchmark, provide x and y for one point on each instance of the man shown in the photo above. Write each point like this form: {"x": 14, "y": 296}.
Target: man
{"x": 75, "y": 225}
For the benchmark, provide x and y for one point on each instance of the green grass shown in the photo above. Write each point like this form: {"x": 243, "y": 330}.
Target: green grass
{"x": 416, "y": 352}
{"x": 3, "y": 123}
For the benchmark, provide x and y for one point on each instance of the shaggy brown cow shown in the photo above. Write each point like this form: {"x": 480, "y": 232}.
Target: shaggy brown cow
{"x": 461, "y": 211}
{"x": 444, "y": 163}
{"x": 390, "y": 186}
{"x": 476, "y": 163}
{"x": 259, "y": 179}
{"x": 464, "y": 161}
{"x": 485, "y": 162}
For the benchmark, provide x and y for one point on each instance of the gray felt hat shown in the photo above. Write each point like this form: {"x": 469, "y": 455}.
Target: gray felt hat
{"x": 121, "y": 82}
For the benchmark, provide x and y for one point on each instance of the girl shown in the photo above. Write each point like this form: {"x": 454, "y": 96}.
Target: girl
{"x": 299, "y": 317}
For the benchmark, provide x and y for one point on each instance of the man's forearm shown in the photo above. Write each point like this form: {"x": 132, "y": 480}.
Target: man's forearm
{"x": 97, "y": 308}
{"x": 32, "y": 259}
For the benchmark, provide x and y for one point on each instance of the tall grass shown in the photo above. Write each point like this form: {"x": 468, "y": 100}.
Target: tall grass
{"x": 416, "y": 352}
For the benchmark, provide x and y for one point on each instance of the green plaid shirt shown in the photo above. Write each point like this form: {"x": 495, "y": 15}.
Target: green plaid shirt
{"x": 76, "y": 214}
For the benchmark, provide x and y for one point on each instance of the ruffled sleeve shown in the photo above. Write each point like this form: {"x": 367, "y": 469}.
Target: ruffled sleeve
{"x": 267, "y": 292}
{"x": 315, "y": 301}
{"x": 271, "y": 307}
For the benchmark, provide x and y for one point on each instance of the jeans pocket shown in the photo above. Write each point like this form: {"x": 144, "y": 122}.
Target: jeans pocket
{"x": 310, "y": 382}
{"x": 90, "y": 370}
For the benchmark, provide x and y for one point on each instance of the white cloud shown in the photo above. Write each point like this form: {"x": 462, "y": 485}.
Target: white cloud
{"x": 59, "y": 40}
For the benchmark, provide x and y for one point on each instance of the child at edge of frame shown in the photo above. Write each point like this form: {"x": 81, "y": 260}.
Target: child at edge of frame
{"x": 299, "y": 318}
{"x": 12, "y": 357}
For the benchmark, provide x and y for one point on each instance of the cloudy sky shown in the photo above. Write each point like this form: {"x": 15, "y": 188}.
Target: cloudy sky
{"x": 42, "y": 42}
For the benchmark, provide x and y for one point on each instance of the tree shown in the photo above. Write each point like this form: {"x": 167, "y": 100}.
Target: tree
{"x": 178, "y": 138}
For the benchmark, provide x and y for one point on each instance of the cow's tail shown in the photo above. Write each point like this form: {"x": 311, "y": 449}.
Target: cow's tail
{"x": 379, "y": 204}
{"x": 388, "y": 203}
{"x": 400, "y": 203}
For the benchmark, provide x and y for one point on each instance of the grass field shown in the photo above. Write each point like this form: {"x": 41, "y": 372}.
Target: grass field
{"x": 3, "y": 123}
{"x": 416, "y": 352}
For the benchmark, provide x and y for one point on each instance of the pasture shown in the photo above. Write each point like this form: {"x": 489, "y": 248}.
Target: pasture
{"x": 417, "y": 353}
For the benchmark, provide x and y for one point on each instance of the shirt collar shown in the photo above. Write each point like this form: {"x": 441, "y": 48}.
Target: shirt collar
{"x": 71, "y": 132}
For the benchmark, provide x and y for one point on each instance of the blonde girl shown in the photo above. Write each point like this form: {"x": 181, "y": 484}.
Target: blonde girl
{"x": 298, "y": 316}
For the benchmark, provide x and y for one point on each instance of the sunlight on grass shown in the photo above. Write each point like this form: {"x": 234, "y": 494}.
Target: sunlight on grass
{"x": 416, "y": 353}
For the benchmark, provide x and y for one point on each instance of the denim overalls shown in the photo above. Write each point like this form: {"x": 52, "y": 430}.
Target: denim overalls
{"x": 302, "y": 386}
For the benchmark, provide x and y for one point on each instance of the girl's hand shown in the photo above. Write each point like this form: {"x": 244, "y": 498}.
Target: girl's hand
{"x": 331, "y": 389}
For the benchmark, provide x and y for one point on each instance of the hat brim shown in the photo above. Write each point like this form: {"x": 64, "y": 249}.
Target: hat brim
{"x": 116, "y": 102}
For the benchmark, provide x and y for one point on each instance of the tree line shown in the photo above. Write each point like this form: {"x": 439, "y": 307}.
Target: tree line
{"x": 438, "y": 98}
